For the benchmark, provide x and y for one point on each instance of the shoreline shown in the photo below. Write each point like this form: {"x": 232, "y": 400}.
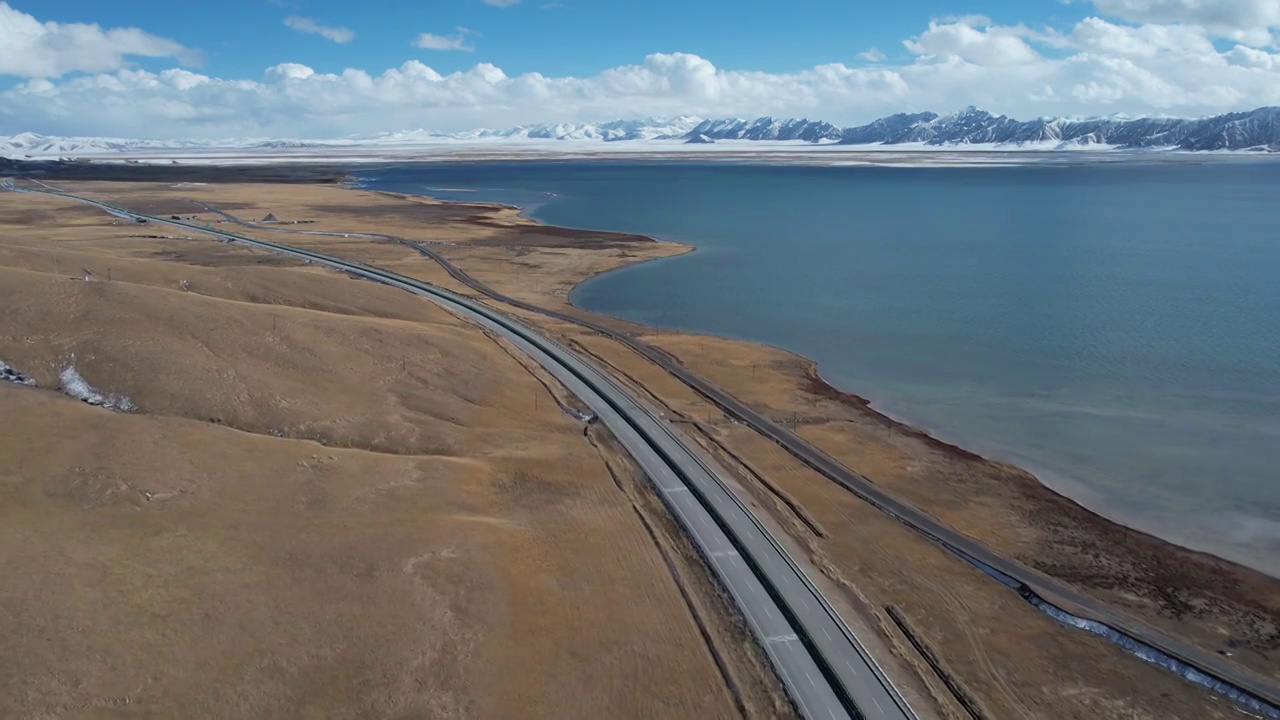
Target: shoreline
{"x": 820, "y": 386}
{"x": 1067, "y": 487}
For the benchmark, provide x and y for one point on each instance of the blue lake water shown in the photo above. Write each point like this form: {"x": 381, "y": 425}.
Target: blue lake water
{"x": 1114, "y": 328}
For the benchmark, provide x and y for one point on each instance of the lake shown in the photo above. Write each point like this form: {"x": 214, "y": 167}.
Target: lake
{"x": 1114, "y": 328}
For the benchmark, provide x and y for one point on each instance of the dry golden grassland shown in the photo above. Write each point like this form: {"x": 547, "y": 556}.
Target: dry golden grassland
{"x": 334, "y": 499}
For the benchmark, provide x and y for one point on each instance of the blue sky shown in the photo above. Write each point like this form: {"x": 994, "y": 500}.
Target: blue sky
{"x": 574, "y": 37}
{"x": 312, "y": 68}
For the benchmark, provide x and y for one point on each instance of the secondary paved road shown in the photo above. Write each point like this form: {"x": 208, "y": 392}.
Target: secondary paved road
{"x": 1256, "y": 693}
{"x": 826, "y": 671}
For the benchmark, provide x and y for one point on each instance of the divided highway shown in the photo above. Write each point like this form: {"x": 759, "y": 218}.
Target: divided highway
{"x": 1257, "y": 694}
{"x": 824, "y": 668}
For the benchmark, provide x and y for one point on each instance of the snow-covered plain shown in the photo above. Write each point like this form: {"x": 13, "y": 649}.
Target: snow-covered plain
{"x": 503, "y": 148}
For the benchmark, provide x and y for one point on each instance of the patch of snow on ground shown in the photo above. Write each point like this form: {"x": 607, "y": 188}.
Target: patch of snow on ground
{"x": 9, "y": 374}
{"x": 74, "y": 384}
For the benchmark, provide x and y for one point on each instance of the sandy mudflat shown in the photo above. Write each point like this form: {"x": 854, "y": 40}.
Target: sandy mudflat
{"x": 1007, "y": 658}
{"x": 334, "y": 499}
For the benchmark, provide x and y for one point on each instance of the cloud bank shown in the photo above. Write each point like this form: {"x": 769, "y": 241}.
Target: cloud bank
{"x": 33, "y": 49}
{"x": 1169, "y": 57}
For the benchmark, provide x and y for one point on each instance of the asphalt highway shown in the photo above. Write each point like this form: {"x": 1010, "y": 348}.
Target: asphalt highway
{"x": 1256, "y": 693}
{"x": 824, "y": 668}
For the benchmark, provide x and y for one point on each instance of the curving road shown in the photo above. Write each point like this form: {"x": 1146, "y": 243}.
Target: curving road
{"x": 825, "y": 670}
{"x": 1258, "y": 694}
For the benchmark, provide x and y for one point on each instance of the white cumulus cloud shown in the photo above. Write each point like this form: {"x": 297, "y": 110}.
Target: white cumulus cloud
{"x": 33, "y": 49}
{"x": 1148, "y": 41}
{"x": 1249, "y": 21}
{"x": 1253, "y": 58}
{"x": 975, "y": 40}
{"x": 456, "y": 41}
{"x": 339, "y": 35}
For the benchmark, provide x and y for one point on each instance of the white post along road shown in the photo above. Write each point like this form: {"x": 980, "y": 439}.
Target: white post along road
{"x": 826, "y": 671}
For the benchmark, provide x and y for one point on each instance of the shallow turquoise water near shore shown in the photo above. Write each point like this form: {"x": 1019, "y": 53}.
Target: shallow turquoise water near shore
{"x": 1115, "y": 329}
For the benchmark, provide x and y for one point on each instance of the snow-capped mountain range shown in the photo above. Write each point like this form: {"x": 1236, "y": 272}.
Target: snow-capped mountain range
{"x": 1256, "y": 130}
{"x": 614, "y": 130}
